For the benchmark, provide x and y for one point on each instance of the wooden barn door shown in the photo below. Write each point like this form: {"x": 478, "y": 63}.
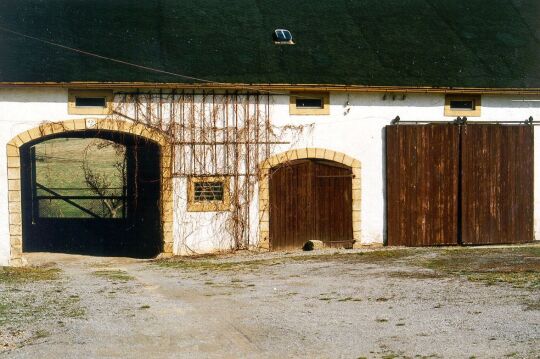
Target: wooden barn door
{"x": 422, "y": 164}
{"x": 497, "y": 184}
{"x": 333, "y": 204}
{"x": 450, "y": 184}
{"x": 310, "y": 199}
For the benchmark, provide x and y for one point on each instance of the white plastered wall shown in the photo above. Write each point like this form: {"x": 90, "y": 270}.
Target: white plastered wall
{"x": 358, "y": 133}
{"x": 22, "y": 109}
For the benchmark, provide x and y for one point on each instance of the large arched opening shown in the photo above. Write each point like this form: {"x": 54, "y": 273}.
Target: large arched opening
{"x": 98, "y": 187}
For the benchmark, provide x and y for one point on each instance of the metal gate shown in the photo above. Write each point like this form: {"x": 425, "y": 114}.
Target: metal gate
{"x": 450, "y": 184}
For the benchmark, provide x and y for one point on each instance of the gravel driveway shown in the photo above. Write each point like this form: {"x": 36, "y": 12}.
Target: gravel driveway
{"x": 329, "y": 304}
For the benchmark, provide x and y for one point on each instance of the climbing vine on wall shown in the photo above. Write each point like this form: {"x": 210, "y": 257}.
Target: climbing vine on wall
{"x": 218, "y": 134}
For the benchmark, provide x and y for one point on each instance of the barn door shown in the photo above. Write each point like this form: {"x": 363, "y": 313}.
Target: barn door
{"x": 291, "y": 215}
{"x": 333, "y": 203}
{"x": 449, "y": 184}
{"x": 497, "y": 184}
{"x": 310, "y": 199}
{"x": 422, "y": 184}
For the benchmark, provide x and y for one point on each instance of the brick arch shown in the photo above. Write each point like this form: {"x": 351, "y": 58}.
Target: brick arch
{"x": 54, "y": 128}
{"x": 304, "y": 153}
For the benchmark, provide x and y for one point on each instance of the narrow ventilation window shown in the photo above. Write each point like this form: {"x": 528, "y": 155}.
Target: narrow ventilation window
{"x": 462, "y": 105}
{"x": 309, "y": 102}
{"x": 304, "y": 103}
{"x": 90, "y": 102}
{"x": 283, "y": 37}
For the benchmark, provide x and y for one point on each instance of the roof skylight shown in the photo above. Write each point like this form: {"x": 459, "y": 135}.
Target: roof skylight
{"x": 283, "y": 37}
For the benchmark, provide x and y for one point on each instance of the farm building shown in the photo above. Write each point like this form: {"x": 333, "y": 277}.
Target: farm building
{"x": 139, "y": 128}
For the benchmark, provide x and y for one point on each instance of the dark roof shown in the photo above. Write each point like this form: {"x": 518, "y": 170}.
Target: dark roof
{"x": 439, "y": 43}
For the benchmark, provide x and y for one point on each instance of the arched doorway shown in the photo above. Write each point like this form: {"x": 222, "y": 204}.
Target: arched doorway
{"x": 310, "y": 199}
{"x": 306, "y": 153}
{"x": 140, "y": 227}
{"x": 91, "y": 192}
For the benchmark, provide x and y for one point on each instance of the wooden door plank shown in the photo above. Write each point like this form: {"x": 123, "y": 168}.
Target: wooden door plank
{"x": 497, "y": 184}
{"x": 422, "y": 172}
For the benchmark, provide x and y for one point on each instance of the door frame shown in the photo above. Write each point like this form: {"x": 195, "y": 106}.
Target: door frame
{"x": 265, "y": 169}
{"x": 53, "y": 128}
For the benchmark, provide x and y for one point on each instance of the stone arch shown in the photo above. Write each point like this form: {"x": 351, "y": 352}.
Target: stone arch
{"x": 304, "y": 153}
{"x": 53, "y": 128}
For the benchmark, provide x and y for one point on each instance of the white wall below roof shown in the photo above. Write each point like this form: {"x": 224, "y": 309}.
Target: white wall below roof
{"x": 359, "y": 134}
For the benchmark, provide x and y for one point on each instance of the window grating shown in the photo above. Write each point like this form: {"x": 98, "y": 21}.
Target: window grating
{"x": 208, "y": 191}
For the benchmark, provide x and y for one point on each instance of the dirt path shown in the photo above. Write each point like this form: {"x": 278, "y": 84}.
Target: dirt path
{"x": 323, "y": 308}
{"x": 138, "y": 317}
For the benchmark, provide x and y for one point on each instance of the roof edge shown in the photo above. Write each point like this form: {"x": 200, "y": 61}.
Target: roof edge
{"x": 272, "y": 87}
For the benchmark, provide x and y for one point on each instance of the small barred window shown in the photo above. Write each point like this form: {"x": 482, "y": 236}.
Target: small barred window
{"x": 208, "y": 191}
{"x": 208, "y": 194}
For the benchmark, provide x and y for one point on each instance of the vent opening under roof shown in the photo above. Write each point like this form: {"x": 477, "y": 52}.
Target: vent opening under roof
{"x": 283, "y": 37}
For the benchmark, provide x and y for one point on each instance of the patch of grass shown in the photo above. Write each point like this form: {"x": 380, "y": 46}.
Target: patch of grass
{"x": 114, "y": 275}
{"x": 41, "y": 333}
{"x": 375, "y": 256}
{"x": 75, "y": 312}
{"x": 416, "y": 275}
{"x": 212, "y": 265}
{"x": 532, "y": 305}
{"x": 11, "y": 275}
{"x": 146, "y": 306}
{"x": 517, "y": 266}
{"x": 30, "y": 307}
{"x": 381, "y": 320}
{"x": 4, "y": 311}
{"x": 517, "y": 279}
{"x": 350, "y": 299}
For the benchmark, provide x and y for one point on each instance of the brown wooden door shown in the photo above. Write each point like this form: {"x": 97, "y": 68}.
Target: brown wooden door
{"x": 422, "y": 166}
{"x": 333, "y": 203}
{"x": 310, "y": 199}
{"x": 497, "y": 184}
